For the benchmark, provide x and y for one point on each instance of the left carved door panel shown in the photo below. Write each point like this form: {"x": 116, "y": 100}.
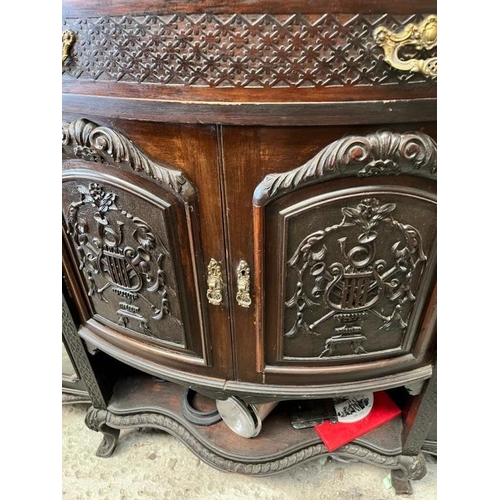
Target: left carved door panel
{"x": 132, "y": 236}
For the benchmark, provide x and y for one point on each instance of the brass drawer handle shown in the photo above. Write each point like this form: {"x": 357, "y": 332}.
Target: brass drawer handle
{"x": 214, "y": 283}
{"x": 243, "y": 284}
{"x": 423, "y": 36}
{"x": 68, "y": 39}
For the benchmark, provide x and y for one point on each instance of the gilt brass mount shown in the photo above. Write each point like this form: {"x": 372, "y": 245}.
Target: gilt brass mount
{"x": 68, "y": 39}
{"x": 243, "y": 284}
{"x": 422, "y": 36}
{"x": 214, "y": 283}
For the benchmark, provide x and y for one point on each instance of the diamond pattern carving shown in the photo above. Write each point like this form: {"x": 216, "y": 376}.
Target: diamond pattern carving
{"x": 234, "y": 50}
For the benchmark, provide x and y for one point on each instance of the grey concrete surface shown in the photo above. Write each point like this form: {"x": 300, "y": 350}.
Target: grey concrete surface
{"x": 149, "y": 464}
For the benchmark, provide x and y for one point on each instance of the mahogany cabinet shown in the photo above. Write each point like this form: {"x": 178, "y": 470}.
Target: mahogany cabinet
{"x": 249, "y": 199}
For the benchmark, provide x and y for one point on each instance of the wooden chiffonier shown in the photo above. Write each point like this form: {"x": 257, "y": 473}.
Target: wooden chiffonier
{"x": 249, "y": 211}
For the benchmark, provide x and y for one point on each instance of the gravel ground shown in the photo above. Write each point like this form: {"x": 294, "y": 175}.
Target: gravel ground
{"x": 152, "y": 465}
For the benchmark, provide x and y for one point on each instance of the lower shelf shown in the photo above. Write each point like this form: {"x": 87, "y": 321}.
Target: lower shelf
{"x": 142, "y": 401}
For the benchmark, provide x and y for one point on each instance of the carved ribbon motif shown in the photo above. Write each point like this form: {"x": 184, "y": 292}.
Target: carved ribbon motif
{"x": 341, "y": 274}
{"x": 119, "y": 254}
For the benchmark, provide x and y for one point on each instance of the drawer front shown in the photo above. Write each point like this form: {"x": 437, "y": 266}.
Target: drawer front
{"x": 249, "y": 51}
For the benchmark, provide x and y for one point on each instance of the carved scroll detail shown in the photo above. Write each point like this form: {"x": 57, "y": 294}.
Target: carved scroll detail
{"x": 95, "y": 420}
{"x": 381, "y": 153}
{"x": 361, "y": 283}
{"x": 88, "y": 141}
{"x": 409, "y": 467}
{"x": 120, "y": 254}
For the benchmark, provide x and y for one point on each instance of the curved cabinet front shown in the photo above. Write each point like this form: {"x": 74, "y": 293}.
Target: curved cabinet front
{"x": 133, "y": 243}
{"x": 345, "y": 254}
{"x": 335, "y": 291}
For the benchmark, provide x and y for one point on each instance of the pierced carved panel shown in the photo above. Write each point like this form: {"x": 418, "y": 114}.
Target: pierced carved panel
{"x": 236, "y": 50}
{"x": 70, "y": 335}
{"x": 354, "y": 274}
{"x": 124, "y": 254}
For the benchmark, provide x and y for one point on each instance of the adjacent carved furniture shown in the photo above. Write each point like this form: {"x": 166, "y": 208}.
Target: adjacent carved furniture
{"x": 249, "y": 210}
{"x": 74, "y": 389}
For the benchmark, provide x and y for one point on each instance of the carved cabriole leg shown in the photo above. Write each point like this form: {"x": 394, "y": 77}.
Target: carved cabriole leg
{"x": 411, "y": 467}
{"x": 96, "y": 420}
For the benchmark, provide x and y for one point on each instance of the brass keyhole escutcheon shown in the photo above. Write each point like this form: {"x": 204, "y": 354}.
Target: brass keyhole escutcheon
{"x": 243, "y": 284}
{"x": 214, "y": 283}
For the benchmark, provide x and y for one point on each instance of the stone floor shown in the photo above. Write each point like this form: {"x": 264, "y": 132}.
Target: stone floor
{"x": 152, "y": 465}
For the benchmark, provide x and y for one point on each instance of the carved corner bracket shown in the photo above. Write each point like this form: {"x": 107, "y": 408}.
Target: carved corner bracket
{"x": 86, "y": 140}
{"x": 380, "y": 153}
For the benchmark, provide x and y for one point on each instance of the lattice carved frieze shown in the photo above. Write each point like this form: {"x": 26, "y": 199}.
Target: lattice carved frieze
{"x": 236, "y": 50}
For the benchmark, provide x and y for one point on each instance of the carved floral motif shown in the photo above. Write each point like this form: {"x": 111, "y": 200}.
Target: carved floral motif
{"x": 119, "y": 254}
{"x": 343, "y": 279}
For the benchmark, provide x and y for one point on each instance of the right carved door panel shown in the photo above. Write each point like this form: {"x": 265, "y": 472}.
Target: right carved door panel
{"x": 350, "y": 269}
{"x": 345, "y": 254}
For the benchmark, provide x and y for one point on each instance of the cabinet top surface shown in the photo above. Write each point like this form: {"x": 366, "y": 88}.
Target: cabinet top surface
{"x": 270, "y": 6}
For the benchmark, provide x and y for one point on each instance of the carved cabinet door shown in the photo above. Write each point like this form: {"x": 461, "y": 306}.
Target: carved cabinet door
{"x": 344, "y": 251}
{"x": 133, "y": 250}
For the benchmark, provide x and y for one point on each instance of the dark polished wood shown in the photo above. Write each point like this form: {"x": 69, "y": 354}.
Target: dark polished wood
{"x": 203, "y": 138}
{"x": 73, "y": 8}
{"x": 142, "y": 402}
{"x": 251, "y": 113}
{"x": 238, "y": 52}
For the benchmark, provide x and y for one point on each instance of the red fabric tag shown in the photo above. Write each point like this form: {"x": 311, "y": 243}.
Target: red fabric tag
{"x": 335, "y": 435}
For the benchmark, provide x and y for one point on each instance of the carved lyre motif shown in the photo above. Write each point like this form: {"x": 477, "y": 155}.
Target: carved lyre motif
{"x": 351, "y": 282}
{"x": 119, "y": 254}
